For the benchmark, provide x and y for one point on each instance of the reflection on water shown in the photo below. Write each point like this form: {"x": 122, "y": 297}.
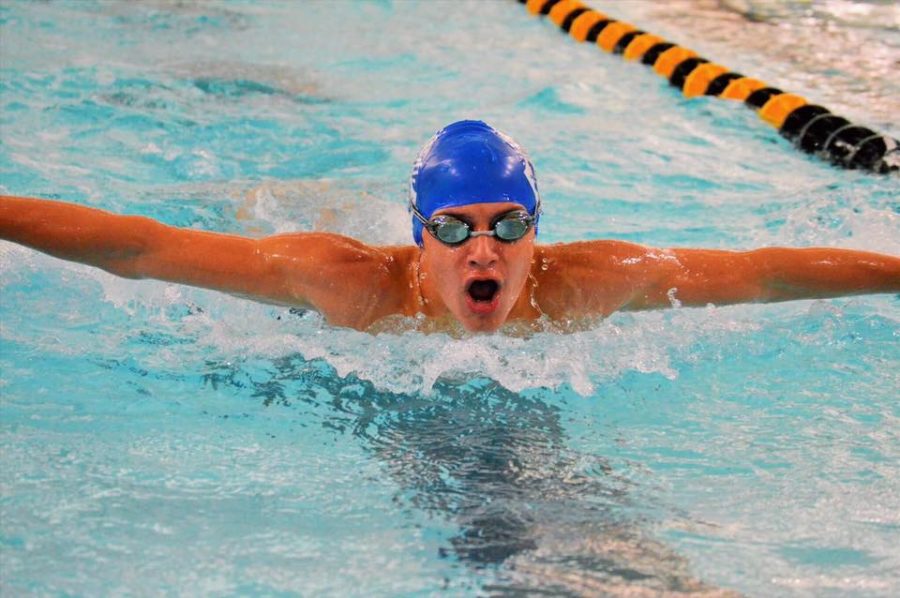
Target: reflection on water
{"x": 538, "y": 515}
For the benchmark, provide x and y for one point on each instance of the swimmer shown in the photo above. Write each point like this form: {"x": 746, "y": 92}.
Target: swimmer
{"x": 475, "y": 209}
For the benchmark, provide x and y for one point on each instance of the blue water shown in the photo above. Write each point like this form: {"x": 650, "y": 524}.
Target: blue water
{"x": 162, "y": 439}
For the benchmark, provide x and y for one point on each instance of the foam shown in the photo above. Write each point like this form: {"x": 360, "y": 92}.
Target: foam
{"x": 234, "y": 330}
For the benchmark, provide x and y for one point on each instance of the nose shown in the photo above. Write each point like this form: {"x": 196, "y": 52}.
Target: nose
{"x": 482, "y": 252}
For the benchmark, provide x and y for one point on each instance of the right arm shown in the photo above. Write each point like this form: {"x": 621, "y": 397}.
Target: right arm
{"x": 346, "y": 280}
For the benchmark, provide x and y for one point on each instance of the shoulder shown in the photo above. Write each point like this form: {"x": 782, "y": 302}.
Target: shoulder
{"x": 333, "y": 250}
{"x": 293, "y": 243}
{"x": 593, "y": 277}
{"x": 352, "y": 283}
{"x": 600, "y": 254}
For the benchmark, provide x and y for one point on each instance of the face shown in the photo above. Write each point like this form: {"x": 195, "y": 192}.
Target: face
{"x": 480, "y": 280}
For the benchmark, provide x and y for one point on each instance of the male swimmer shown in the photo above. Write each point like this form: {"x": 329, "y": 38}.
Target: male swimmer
{"x": 475, "y": 208}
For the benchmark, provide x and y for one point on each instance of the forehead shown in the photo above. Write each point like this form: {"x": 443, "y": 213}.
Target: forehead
{"x": 480, "y": 210}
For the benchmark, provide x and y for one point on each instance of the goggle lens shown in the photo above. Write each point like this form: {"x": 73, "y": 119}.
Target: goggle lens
{"x": 511, "y": 228}
{"x": 450, "y": 230}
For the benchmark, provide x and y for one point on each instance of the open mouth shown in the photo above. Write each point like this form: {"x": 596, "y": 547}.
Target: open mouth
{"x": 483, "y": 291}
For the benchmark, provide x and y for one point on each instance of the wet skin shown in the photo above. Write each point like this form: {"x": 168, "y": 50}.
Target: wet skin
{"x": 482, "y": 283}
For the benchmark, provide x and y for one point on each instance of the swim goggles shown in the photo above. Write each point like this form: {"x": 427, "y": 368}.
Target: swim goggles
{"x": 450, "y": 230}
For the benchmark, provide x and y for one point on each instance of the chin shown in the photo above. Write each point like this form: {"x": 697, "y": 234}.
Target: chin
{"x": 480, "y": 323}
{"x": 481, "y": 326}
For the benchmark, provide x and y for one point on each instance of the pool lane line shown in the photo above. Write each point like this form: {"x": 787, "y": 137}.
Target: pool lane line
{"x": 811, "y": 128}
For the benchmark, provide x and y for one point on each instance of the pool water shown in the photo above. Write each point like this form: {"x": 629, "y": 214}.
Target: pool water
{"x": 159, "y": 439}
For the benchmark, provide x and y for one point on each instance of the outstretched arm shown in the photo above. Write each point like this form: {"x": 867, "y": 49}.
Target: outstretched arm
{"x": 336, "y": 275}
{"x": 698, "y": 276}
{"x": 600, "y": 277}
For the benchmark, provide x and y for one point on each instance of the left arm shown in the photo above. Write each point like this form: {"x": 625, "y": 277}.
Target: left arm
{"x": 701, "y": 276}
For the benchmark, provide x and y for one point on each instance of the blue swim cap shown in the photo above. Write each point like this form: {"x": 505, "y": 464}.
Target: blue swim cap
{"x": 470, "y": 162}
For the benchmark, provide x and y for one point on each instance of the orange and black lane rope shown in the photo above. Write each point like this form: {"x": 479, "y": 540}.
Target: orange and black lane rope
{"x": 811, "y": 128}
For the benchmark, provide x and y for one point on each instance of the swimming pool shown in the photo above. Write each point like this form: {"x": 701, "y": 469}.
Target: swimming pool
{"x": 161, "y": 439}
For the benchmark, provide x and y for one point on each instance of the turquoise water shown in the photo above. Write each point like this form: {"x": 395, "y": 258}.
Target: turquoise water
{"x": 161, "y": 439}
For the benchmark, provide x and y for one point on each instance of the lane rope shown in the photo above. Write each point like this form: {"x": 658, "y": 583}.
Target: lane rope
{"x": 811, "y": 128}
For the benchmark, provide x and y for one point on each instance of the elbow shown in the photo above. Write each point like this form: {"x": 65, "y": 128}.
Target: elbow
{"x": 130, "y": 257}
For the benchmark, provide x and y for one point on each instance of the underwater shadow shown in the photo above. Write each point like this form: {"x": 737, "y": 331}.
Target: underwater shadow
{"x": 539, "y": 516}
